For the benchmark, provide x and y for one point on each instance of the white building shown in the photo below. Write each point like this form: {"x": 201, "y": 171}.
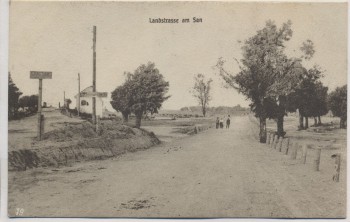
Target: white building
{"x": 86, "y": 103}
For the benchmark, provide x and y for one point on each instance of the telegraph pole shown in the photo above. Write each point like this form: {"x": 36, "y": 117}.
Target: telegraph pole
{"x": 64, "y": 99}
{"x": 78, "y": 94}
{"x": 94, "y": 77}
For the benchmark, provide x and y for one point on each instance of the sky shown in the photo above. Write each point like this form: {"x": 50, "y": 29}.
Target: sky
{"x": 57, "y": 37}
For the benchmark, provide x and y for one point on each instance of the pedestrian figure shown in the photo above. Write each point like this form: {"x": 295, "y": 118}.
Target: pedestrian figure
{"x": 217, "y": 123}
{"x": 221, "y": 123}
{"x": 228, "y": 121}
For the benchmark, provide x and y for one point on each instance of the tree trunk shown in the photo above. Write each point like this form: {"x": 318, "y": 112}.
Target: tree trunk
{"x": 343, "y": 122}
{"x": 138, "y": 120}
{"x": 319, "y": 120}
{"x": 125, "y": 117}
{"x": 315, "y": 121}
{"x": 262, "y": 133}
{"x": 301, "y": 122}
{"x": 280, "y": 131}
{"x": 203, "y": 111}
{"x": 306, "y": 122}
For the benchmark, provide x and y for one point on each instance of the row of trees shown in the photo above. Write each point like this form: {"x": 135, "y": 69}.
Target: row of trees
{"x": 143, "y": 92}
{"x": 276, "y": 83}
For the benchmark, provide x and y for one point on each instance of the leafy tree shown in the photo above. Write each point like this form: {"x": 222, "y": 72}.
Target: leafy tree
{"x": 29, "y": 101}
{"x": 33, "y": 102}
{"x": 67, "y": 102}
{"x": 23, "y": 102}
{"x": 201, "y": 91}
{"x": 309, "y": 97}
{"x": 320, "y": 102}
{"x": 122, "y": 100}
{"x": 13, "y": 96}
{"x": 265, "y": 77}
{"x": 147, "y": 89}
{"x": 337, "y": 102}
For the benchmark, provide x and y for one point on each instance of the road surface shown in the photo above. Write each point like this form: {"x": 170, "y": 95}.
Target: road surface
{"x": 217, "y": 173}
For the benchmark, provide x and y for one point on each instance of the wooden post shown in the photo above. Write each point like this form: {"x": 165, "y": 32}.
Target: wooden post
{"x": 78, "y": 108}
{"x": 303, "y": 159}
{"x": 40, "y": 76}
{"x": 272, "y": 140}
{"x": 280, "y": 144}
{"x": 275, "y": 141}
{"x": 294, "y": 152}
{"x": 39, "y": 108}
{"x": 268, "y": 139}
{"x": 94, "y": 76}
{"x": 317, "y": 160}
{"x": 287, "y": 147}
{"x": 98, "y": 125}
{"x": 336, "y": 174}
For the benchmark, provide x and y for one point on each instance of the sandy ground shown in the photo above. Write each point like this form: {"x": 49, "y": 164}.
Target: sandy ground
{"x": 217, "y": 173}
{"x": 22, "y": 132}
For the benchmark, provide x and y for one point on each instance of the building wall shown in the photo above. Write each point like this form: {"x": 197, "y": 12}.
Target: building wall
{"x": 86, "y": 105}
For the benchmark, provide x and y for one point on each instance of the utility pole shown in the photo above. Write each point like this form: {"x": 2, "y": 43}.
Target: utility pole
{"x": 94, "y": 77}
{"x": 78, "y": 94}
{"x": 64, "y": 99}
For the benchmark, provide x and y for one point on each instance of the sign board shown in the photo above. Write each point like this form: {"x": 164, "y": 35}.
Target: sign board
{"x": 93, "y": 94}
{"x": 40, "y": 75}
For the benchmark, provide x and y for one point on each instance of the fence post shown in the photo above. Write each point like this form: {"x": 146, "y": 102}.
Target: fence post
{"x": 272, "y": 140}
{"x": 336, "y": 174}
{"x": 287, "y": 147}
{"x": 317, "y": 160}
{"x": 303, "y": 159}
{"x": 295, "y": 147}
{"x": 275, "y": 141}
{"x": 280, "y": 142}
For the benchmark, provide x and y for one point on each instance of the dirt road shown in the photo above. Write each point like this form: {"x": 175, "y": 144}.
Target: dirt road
{"x": 217, "y": 173}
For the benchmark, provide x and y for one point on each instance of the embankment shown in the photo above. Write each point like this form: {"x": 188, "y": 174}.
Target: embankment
{"x": 78, "y": 142}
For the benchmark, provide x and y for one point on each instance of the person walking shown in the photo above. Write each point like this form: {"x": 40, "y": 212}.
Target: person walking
{"x": 228, "y": 122}
{"x": 221, "y": 123}
{"x": 217, "y": 123}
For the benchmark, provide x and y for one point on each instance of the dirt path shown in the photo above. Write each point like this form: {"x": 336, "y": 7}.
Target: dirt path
{"x": 217, "y": 173}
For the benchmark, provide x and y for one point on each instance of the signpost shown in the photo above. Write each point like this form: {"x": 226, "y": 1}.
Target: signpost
{"x": 93, "y": 94}
{"x": 40, "y": 76}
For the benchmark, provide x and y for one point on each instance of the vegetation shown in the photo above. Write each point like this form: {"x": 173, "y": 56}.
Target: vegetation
{"x": 275, "y": 83}
{"x": 29, "y": 103}
{"x": 122, "y": 100}
{"x": 201, "y": 91}
{"x": 13, "y": 95}
{"x": 337, "y": 102}
{"x": 145, "y": 90}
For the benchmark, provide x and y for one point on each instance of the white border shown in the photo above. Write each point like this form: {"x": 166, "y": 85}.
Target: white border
{"x": 4, "y": 30}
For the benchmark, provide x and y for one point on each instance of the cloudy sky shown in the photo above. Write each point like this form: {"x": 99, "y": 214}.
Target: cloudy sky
{"x": 57, "y": 37}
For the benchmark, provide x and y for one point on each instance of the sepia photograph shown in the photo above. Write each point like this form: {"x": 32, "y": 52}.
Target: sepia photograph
{"x": 177, "y": 109}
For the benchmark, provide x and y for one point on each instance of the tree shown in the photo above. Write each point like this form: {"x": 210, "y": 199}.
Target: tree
{"x": 201, "y": 91}
{"x": 33, "y": 103}
{"x": 148, "y": 90}
{"x": 309, "y": 97}
{"x": 319, "y": 102}
{"x": 264, "y": 76}
{"x": 122, "y": 100}
{"x": 29, "y": 101}
{"x": 23, "y": 102}
{"x": 67, "y": 102}
{"x": 13, "y": 96}
{"x": 337, "y": 102}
